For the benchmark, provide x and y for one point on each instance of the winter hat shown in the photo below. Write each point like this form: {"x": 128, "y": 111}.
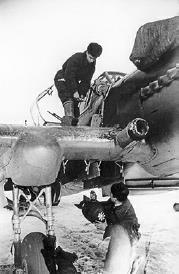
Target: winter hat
{"x": 94, "y": 49}
{"x": 120, "y": 191}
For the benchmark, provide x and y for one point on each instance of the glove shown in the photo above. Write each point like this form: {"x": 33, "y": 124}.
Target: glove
{"x": 76, "y": 95}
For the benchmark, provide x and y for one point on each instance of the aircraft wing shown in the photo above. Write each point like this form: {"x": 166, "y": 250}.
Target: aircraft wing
{"x": 33, "y": 155}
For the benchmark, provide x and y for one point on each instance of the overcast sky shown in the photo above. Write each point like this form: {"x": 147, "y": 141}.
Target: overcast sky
{"x": 37, "y": 36}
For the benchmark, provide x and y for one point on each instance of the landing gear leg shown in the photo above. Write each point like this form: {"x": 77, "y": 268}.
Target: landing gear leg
{"x": 50, "y": 219}
{"x": 46, "y": 244}
{"x": 51, "y": 238}
{"x": 28, "y": 256}
{"x": 17, "y": 231}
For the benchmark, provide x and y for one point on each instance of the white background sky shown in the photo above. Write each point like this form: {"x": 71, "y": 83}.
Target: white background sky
{"x": 37, "y": 36}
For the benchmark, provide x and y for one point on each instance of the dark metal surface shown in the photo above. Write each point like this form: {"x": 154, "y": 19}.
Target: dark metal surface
{"x": 160, "y": 109}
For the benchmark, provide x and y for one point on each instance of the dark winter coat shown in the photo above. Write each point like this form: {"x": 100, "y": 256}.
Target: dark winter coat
{"x": 123, "y": 215}
{"x": 77, "y": 73}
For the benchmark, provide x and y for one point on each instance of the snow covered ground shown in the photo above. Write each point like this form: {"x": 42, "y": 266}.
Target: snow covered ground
{"x": 159, "y": 243}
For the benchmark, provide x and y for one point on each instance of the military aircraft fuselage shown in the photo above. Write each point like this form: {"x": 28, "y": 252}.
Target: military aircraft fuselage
{"x": 154, "y": 96}
{"x": 33, "y": 155}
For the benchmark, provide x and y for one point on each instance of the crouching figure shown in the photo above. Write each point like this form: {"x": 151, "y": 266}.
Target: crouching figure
{"x": 122, "y": 228}
{"x": 118, "y": 219}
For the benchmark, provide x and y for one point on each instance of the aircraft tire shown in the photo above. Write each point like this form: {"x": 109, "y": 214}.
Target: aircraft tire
{"x": 32, "y": 259}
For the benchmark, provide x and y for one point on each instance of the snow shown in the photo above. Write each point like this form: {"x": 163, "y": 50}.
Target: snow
{"x": 159, "y": 243}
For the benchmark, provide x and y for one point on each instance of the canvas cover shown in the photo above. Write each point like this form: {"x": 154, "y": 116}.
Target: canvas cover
{"x": 153, "y": 40}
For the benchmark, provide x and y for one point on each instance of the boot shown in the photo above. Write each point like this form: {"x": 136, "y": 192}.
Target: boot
{"x": 69, "y": 108}
{"x": 69, "y": 118}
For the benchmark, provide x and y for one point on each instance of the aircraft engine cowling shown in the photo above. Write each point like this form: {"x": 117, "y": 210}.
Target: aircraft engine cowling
{"x": 35, "y": 160}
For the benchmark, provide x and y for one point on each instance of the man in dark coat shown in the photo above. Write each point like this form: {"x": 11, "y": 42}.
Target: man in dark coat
{"x": 119, "y": 211}
{"x": 73, "y": 80}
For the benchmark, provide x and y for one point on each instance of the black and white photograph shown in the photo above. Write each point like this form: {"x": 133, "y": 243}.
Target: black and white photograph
{"x": 89, "y": 137}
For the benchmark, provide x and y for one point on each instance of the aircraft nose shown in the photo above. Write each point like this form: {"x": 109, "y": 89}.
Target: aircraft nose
{"x": 36, "y": 160}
